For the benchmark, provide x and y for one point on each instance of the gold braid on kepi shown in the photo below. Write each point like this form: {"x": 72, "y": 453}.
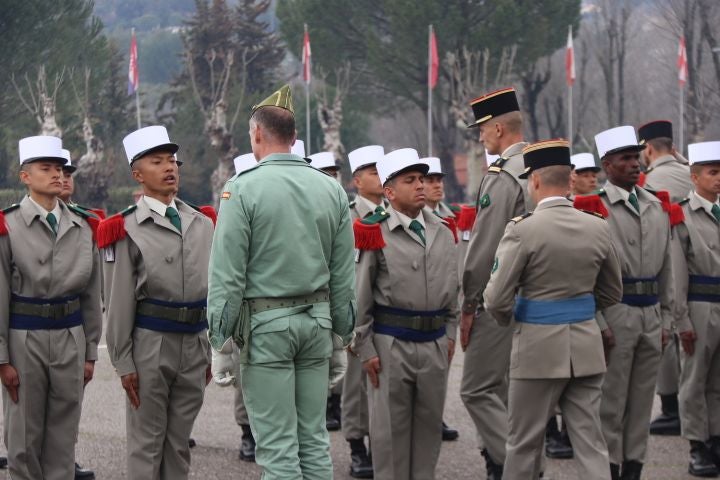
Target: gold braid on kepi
{"x": 282, "y": 98}
{"x": 545, "y": 154}
{"x": 494, "y": 104}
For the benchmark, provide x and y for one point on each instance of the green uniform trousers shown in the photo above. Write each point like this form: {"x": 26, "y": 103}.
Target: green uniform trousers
{"x": 285, "y": 385}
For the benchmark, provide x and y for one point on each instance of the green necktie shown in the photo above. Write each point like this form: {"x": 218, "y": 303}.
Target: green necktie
{"x": 174, "y": 217}
{"x": 379, "y": 209}
{"x": 716, "y": 211}
{"x": 418, "y": 229}
{"x": 634, "y": 201}
{"x": 52, "y": 221}
{"x": 436, "y": 213}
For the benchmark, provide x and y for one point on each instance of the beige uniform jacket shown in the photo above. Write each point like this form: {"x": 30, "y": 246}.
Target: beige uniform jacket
{"x": 502, "y": 196}
{"x": 406, "y": 275}
{"x": 37, "y": 264}
{"x": 642, "y": 242}
{"x": 556, "y": 253}
{"x": 667, "y": 173}
{"x": 153, "y": 261}
{"x": 696, "y": 252}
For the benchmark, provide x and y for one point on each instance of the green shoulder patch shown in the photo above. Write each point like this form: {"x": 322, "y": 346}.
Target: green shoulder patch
{"x": 81, "y": 211}
{"x": 520, "y": 218}
{"x": 12, "y": 207}
{"x": 128, "y": 210}
{"x": 484, "y": 201}
{"x": 600, "y": 192}
{"x": 683, "y": 201}
{"x": 377, "y": 217}
{"x": 496, "y": 265}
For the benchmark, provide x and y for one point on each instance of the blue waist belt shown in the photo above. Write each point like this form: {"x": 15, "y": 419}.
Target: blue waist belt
{"x": 45, "y": 313}
{"x": 170, "y": 316}
{"x": 703, "y": 289}
{"x": 555, "y": 312}
{"x": 640, "y": 292}
{"x": 409, "y": 325}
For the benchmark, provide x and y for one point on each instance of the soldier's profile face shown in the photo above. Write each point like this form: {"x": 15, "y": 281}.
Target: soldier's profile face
{"x": 43, "y": 177}
{"x": 406, "y": 191}
{"x": 68, "y": 186}
{"x": 622, "y": 168}
{"x": 488, "y": 137}
{"x": 706, "y": 178}
{"x": 158, "y": 173}
{"x": 585, "y": 182}
{"x": 367, "y": 181}
{"x": 434, "y": 188}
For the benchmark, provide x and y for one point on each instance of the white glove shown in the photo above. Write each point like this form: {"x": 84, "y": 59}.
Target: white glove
{"x": 223, "y": 365}
{"x": 338, "y": 361}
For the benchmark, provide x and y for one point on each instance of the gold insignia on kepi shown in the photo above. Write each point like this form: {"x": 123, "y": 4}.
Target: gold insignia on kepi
{"x": 493, "y": 104}
{"x": 547, "y": 153}
{"x": 281, "y": 98}
{"x": 225, "y": 196}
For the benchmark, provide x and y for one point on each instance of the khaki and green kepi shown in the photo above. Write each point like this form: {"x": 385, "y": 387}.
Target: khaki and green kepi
{"x": 282, "y": 98}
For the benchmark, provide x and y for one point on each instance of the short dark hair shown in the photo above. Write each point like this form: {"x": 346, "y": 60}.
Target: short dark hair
{"x": 277, "y": 122}
{"x": 661, "y": 144}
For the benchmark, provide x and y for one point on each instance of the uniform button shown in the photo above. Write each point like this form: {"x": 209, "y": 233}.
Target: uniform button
{"x": 169, "y": 259}
{"x": 631, "y": 241}
{"x": 711, "y": 246}
{"x": 41, "y": 261}
{"x": 414, "y": 265}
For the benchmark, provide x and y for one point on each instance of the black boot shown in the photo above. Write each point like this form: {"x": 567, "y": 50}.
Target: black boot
{"x": 332, "y": 413}
{"x": 668, "y": 422}
{"x": 449, "y": 434}
{"x": 83, "y": 473}
{"x": 701, "y": 463}
{"x": 192, "y": 443}
{"x": 614, "y": 471}
{"x": 247, "y": 445}
{"x": 494, "y": 470}
{"x": 631, "y": 470}
{"x": 714, "y": 447}
{"x": 3, "y": 462}
{"x": 557, "y": 444}
{"x": 360, "y": 462}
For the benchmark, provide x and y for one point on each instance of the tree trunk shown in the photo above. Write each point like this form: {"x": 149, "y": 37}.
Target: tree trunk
{"x": 93, "y": 171}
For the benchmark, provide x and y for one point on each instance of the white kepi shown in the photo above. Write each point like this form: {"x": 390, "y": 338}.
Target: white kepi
{"x": 244, "y": 162}
{"x": 704, "y": 152}
{"x": 68, "y": 161}
{"x": 298, "y": 148}
{"x": 365, "y": 156}
{"x": 399, "y": 161}
{"x": 147, "y": 139}
{"x": 41, "y": 147}
{"x": 323, "y": 160}
{"x": 616, "y": 140}
{"x": 584, "y": 161}
{"x": 434, "y": 166}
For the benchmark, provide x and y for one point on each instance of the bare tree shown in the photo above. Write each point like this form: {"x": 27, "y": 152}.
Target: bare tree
{"x": 214, "y": 104}
{"x": 40, "y": 100}
{"x": 330, "y": 111}
{"x": 534, "y": 80}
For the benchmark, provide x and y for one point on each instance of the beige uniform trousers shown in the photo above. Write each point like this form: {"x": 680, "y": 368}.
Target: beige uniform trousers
{"x": 40, "y": 429}
{"x": 629, "y": 385}
{"x": 407, "y": 407}
{"x": 669, "y": 372}
{"x": 532, "y": 401}
{"x": 171, "y": 374}
{"x": 354, "y": 400}
{"x": 484, "y": 383}
{"x": 700, "y": 378}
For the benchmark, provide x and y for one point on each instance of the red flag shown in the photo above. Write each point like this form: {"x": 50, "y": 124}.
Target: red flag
{"x": 570, "y": 60}
{"x": 133, "y": 74}
{"x": 434, "y": 60}
{"x": 307, "y": 71}
{"x": 682, "y": 63}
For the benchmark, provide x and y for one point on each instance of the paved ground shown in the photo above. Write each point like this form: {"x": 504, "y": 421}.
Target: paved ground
{"x": 102, "y": 438}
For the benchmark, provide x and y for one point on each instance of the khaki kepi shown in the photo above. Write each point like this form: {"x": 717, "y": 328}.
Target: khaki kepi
{"x": 281, "y": 98}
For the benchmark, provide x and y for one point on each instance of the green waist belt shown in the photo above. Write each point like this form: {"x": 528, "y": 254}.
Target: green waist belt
{"x": 703, "y": 289}
{"x": 181, "y": 314}
{"x": 45, "y": 310}
{"x": 262, "y": 304}
{"x": 640, "y": 287}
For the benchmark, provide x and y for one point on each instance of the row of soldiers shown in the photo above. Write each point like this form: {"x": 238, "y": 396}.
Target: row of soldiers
{"x": 540, "y": 298}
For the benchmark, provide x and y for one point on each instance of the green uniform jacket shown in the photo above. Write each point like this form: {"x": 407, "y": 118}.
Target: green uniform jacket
{"x": 283, "y": 230}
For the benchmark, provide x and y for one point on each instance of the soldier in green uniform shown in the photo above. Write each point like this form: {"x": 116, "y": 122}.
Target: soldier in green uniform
{"x": 502, "y": 196}
{"x": 697, "y": 273}
{"x": 281, "y": 284}
{"x": 553, "y": 268}
{"x": 50, "y": 317}
{"x": 405, "y": 336}
{"x": 155, "y": 258}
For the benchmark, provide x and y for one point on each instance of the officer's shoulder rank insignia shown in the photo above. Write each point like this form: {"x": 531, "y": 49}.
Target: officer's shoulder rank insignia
{"x": 3, "y": 226}
{"x": 497, "y": 165}
{"x": 368, "y": 235}
{"x": 595, "y": 214}
{"x": 112, "y": 229}
{"x": 520, "y": 218}
{"x": 484, "y": 201}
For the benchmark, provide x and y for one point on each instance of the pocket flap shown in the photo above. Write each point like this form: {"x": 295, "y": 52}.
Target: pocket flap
{"x": 270, "y": 325}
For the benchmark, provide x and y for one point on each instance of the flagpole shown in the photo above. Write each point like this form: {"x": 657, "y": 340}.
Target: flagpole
{"x": 570, "y": 77}
{"x": 682, "y": 120}
{"x": 137, "y": 87}
{"x": 429, "y": 88}
{"x": 570, "y": 117}
{"x": 307, "y": 98}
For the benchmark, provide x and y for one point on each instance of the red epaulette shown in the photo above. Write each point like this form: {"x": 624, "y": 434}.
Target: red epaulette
{"x": 466, "y": 218}
{"x": 3, "y": 226}
{"x": 677, "y": 216}
{"x": 99, "y": 212}
{"x": 452, "y": 225}
{"x": 368, "y": 236}
{"x": 209, "y": 211}
{"x": 664, "y": 197}
{"x": 112, "y": 229}
{"x": 642, "y": 179}
{"x": 591, "y": 203}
